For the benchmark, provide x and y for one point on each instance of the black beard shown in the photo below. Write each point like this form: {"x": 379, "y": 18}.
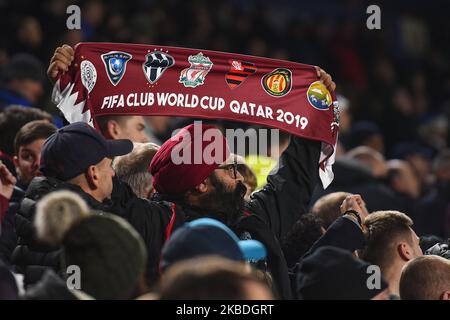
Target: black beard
{"x": 223, "y": 204}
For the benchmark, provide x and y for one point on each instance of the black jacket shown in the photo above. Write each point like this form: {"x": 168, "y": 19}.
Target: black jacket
{"x": 267, "y": 217}
{"x": 31, "y": 257}
{"x": 8, "y": 237}
{"x": 50, "y": 287}
{"x": 343, "y": 233}
{"x": 8, "y": 284}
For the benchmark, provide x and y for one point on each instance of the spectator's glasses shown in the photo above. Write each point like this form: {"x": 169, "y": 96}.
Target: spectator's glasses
{"x": 231, "y": 168}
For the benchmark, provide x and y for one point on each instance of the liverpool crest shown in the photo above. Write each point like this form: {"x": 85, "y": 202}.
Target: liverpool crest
{"x": 195, "y": 75}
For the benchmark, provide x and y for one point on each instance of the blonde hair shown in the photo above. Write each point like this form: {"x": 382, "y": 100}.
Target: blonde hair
{"x": 383, "y": 230}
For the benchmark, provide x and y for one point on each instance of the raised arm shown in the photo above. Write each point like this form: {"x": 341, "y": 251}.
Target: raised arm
{"x": 347, "y": 231}
{"x": 290, "y": 186}
{"x": 60, "y": 62}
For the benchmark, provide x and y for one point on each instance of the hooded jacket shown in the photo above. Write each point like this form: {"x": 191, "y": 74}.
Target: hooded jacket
{"x": 30, "y": 256}
{"x": 268, "y": 216}
{"x": 33, "y": 258}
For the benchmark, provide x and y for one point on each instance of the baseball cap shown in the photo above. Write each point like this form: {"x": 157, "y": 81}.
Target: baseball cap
{"x": 72, "y": 149}
{"x": 206, "y": 236}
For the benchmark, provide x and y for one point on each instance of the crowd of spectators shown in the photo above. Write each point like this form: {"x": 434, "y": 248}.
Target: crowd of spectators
{"x": 70, "y": 195}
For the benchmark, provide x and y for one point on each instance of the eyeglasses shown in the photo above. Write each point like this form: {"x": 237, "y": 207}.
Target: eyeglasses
{"x": 232, "y": 168}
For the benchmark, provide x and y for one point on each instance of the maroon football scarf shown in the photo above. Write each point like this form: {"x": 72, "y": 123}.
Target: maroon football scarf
{"x": 131, "y": 79}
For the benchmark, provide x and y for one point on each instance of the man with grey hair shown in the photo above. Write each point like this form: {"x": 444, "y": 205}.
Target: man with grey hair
{"x": 328, "y": 208}
{"x": 132, "y": 168}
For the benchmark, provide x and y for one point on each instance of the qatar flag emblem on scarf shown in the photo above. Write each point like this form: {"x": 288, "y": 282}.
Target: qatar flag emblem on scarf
{"x": 147, "y": 80}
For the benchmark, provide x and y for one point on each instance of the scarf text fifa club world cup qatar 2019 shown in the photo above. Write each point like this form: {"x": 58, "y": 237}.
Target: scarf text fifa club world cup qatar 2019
{"x": 134, "y": 79}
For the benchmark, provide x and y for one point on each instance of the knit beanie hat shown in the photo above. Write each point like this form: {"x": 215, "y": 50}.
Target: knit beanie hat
{"x": 110, "y": 254}
{"x": 333, "y": 273}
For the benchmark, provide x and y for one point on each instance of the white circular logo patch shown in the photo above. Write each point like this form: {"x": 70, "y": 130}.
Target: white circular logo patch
{"x": 88, "y": 75}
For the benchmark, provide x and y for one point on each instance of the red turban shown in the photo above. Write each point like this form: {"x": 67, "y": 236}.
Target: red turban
{"x": 188, "y": 158}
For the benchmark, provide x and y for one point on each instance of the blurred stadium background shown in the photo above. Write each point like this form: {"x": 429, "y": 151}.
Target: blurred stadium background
{"x": 396, "y": 77}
